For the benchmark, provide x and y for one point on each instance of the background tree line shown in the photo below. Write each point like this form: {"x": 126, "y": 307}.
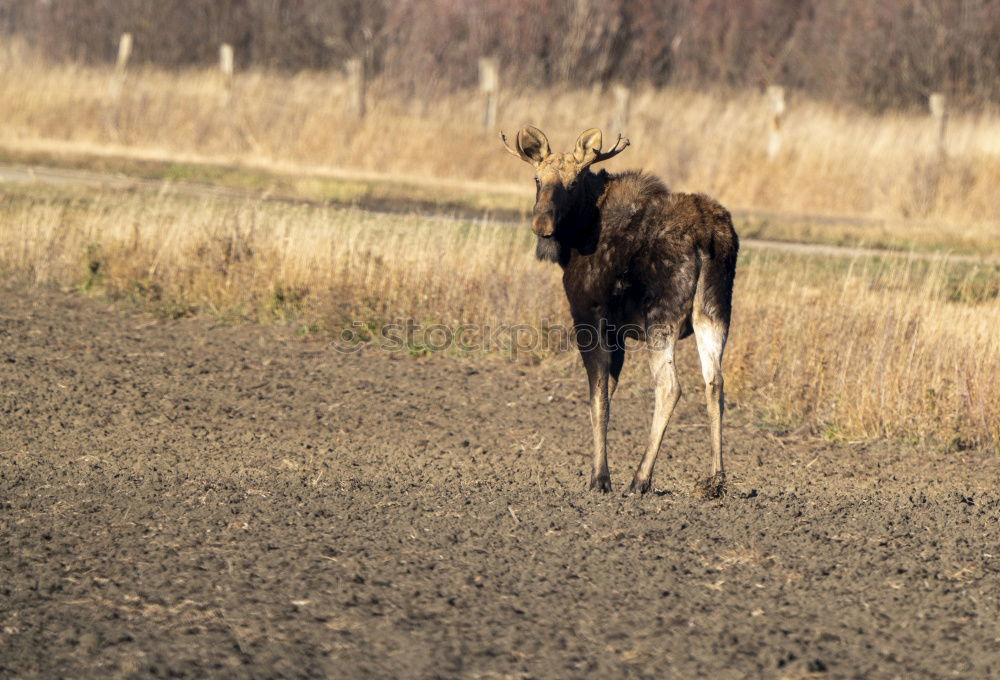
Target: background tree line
{"x": 875, "y": 53}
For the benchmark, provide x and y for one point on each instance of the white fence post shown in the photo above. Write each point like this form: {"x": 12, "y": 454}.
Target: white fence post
{"x": 489, "y": 86}
{"x": 124, "y": 52}
{"x": 226, "y": 67}
{"x": 116, "y": 86}
{"x": 117, "y": 83}
{"x": 938, "y": 104}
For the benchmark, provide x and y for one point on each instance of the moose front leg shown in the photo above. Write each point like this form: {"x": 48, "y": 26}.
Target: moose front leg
{"x": 597, "y": 360}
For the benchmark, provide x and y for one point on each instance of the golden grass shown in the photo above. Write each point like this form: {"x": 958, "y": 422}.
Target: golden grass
{"x": 833, "y": 161}
{"x": 849, "y": 348}
{"x": 902, "y": 350}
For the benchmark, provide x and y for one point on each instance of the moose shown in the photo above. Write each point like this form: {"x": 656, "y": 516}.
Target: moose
{"x": 638, "y": 262}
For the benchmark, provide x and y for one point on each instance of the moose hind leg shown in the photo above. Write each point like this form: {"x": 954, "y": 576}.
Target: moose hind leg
{"x": 597, "y": 363}
{"x": 710, "y": 335}
{"x": 668, "y": 392}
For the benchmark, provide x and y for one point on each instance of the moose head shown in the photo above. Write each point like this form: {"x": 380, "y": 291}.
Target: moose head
{"x": 559, "y": 193}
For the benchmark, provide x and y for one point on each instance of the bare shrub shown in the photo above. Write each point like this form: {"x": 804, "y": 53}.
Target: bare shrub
{"x": 883, "y": 54}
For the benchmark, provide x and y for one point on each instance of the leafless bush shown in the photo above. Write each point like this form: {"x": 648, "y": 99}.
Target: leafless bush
{"x": 883, "y": 54}
{"x": 290, "y": 34}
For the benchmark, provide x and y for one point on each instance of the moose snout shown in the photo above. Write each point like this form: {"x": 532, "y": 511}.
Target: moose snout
{"x": 543, "y": 224}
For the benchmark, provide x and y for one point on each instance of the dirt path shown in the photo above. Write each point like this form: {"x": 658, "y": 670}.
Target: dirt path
{"x": 69, "y": 177}
{"x": 183, "y": 500}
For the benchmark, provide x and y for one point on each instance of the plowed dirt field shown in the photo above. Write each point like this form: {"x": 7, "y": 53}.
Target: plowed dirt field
{"x": 183, "y": 499}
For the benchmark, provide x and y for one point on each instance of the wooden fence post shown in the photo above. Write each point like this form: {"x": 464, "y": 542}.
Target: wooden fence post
{"x": 489, "y": 86}
{"x": 226, "y": 66}
{"x": 116, "y": 86}
{"x": 776, "y": 95}
{"x": 939, "y": 111}
{"x": 623, "y": 97}
{"x": 356, "y": 86}
{"x": 117, "y": 83}
{"x": 124, "y": 52}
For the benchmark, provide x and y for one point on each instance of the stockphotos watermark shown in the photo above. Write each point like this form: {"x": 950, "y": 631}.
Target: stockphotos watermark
{"x": 468, "y": 338}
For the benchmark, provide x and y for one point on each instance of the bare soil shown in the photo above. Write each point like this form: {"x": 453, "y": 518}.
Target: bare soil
{"x": 183, "y": 499}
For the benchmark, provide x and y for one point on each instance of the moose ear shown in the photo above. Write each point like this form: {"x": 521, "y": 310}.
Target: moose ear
{"x": 533, "y": 144}
{"x": 588, "y": 145}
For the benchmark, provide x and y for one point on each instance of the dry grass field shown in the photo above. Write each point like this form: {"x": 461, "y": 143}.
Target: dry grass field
{"x": 833, "y": 161}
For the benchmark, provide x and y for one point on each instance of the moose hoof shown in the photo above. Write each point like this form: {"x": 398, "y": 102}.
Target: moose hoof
{"x": 639, "y": 486}
{"x": 600, "y": 483}
{"x": 711, "y": 487}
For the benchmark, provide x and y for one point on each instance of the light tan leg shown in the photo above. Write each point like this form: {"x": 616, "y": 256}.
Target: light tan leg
{"x": 711, "y": 337}
{"x": 597, "y": 363}
{"x": 668, "y": 392}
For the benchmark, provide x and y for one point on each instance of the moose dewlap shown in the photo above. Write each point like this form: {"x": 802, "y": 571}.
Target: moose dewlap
{"x": 638, "y": 261}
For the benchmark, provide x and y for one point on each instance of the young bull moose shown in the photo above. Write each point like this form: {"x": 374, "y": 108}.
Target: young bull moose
{"x": 638, "y": 261}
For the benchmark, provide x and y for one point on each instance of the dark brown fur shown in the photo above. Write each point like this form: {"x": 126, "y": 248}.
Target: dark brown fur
{"x": 632, "y": 252}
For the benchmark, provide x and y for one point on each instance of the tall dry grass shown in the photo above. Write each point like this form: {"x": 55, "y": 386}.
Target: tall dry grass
{"x": 833, "y": 161}
{"x": 848, "y": 348}
{"x": 870, "y": 348}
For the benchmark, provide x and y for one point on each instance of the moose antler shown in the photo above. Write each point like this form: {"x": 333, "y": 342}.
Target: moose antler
{"x": 512, "y": 152}
{"x": 614, "y": 151}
